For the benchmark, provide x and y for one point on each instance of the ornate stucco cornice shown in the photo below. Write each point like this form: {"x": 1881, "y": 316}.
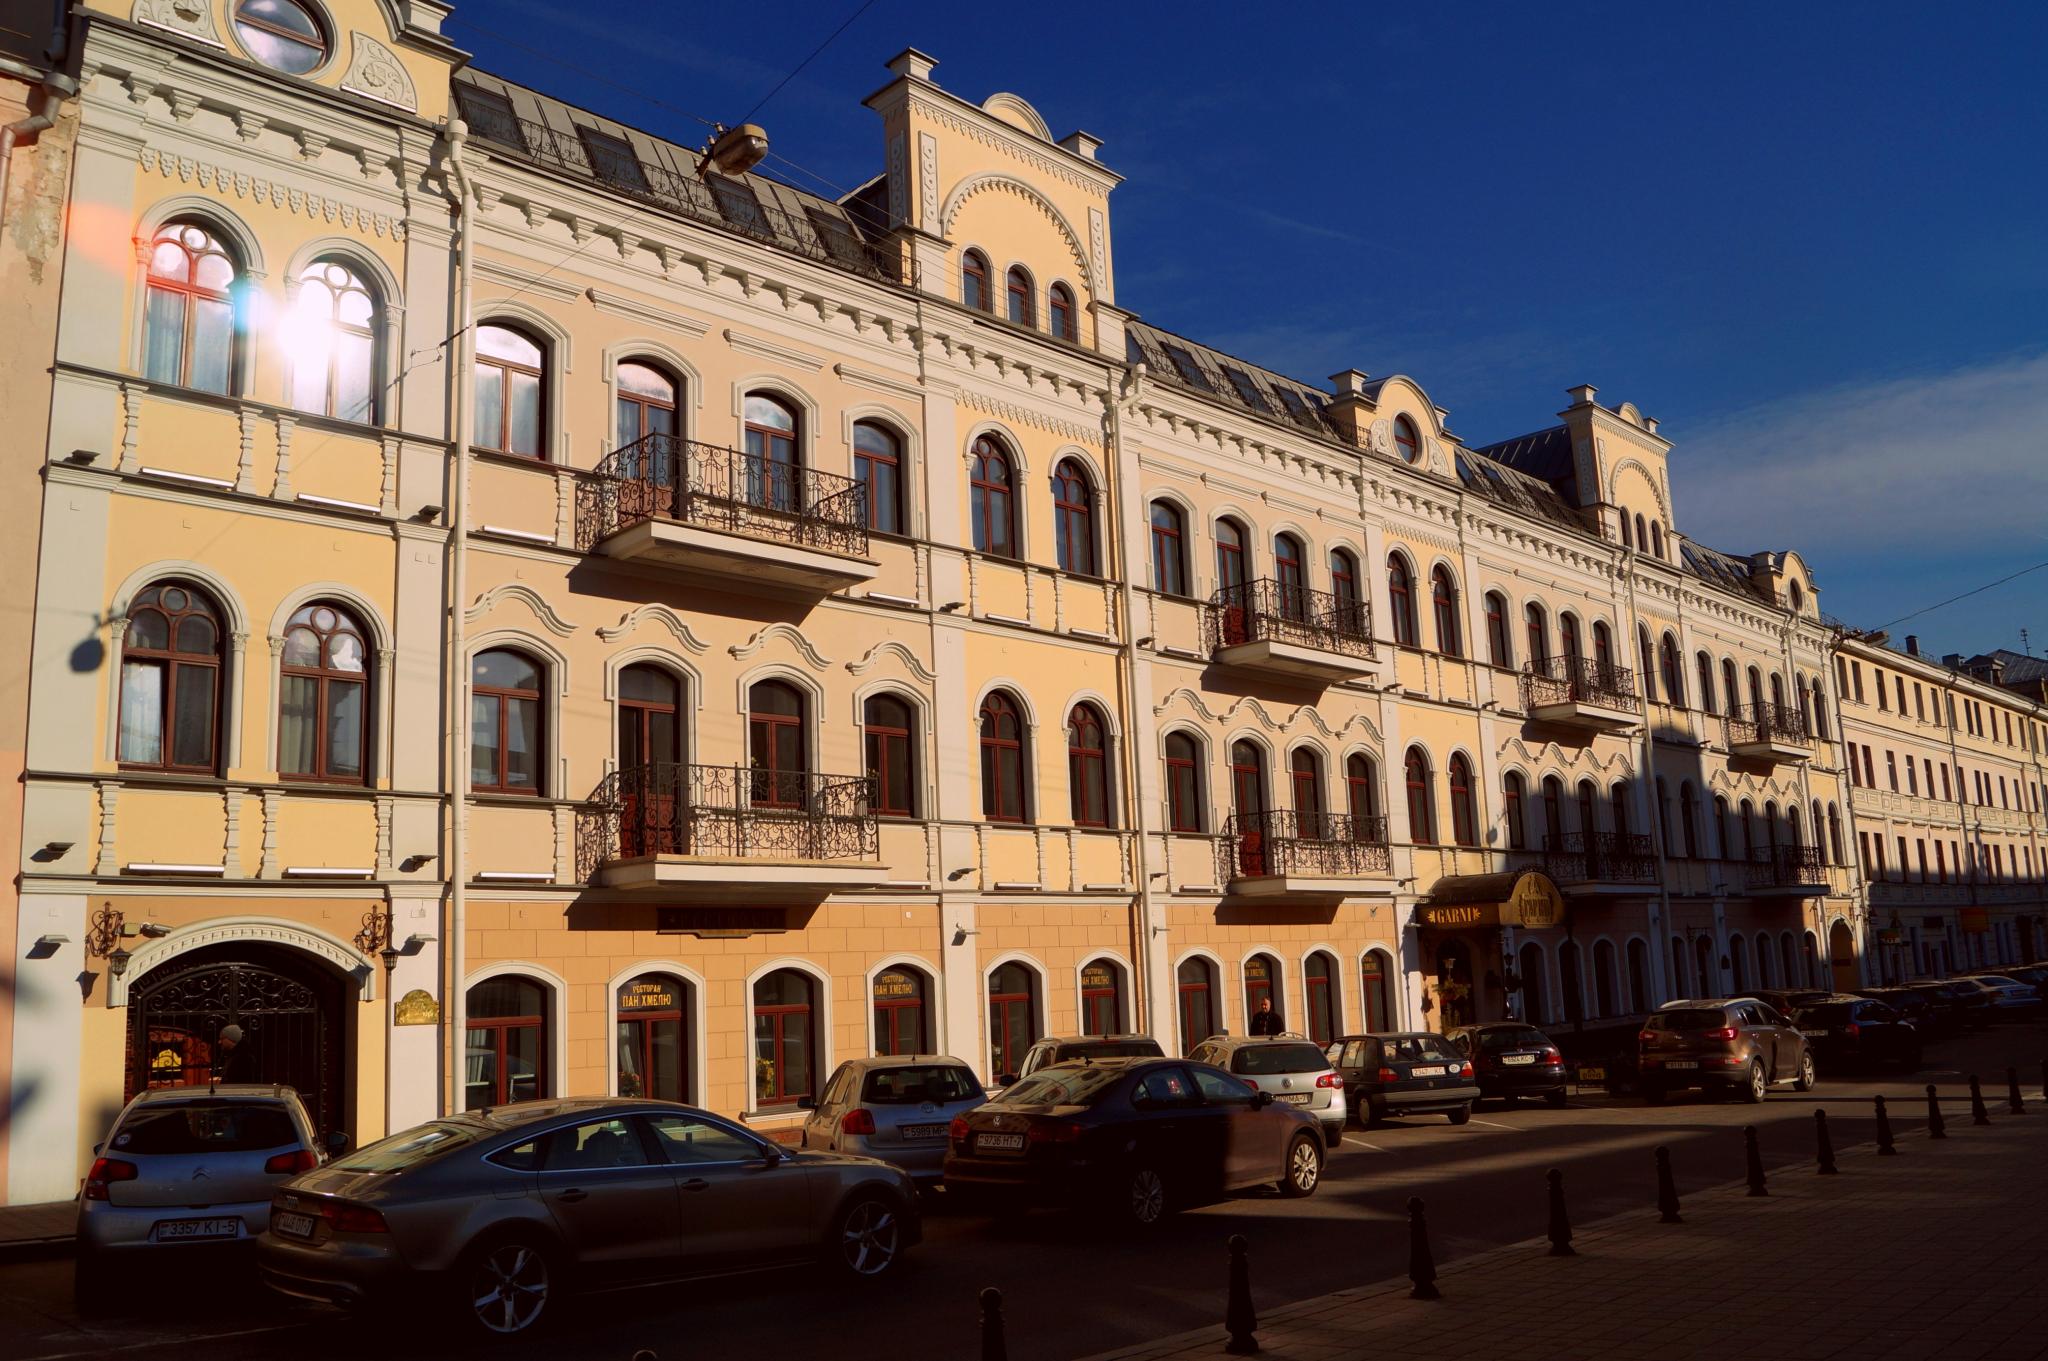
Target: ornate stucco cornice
{"x": 241, "y": 184}
{"x": 1011, "y": 142}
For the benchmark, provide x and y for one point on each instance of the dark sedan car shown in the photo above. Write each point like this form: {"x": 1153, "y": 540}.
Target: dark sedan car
{"x": 1139, "y": 1137}
{"x": 1857, "y": 1032}
{"x": 1933, "y": 1019}
{"x": 1512, "y": 1059}
{"x": 1410, "y": 1073}
{"x": 1971, "y": 1000}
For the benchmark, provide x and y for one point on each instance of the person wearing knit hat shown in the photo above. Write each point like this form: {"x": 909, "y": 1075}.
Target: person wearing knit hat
{"x": 233, "y": 1061}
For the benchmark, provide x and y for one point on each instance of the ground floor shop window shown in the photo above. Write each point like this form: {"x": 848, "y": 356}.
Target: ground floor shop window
{"x": 1196, "y": 979}
{"x": 1012, "y": 1016}
{"x": 785, "y": 1049}
{"x": 1102, "y": 1002}
{"x": 899, "y": 999}
{"x": 507, "y": 1042}
{"x": 653, "y": 1038}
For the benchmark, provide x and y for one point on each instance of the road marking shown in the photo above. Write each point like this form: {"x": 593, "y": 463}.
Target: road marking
{"x": 1363, "y": 1144}
{"x": 1491, "y": 1125}
{"x": 168, "y": 1342}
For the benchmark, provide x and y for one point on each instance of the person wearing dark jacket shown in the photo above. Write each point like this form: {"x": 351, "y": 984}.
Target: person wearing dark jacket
{"x": 1266, "y": 1021}
{"x": 233, "y": 1061}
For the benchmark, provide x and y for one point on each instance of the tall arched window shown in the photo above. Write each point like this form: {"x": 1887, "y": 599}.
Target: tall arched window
{"x": 1406, "y": 441}
{"x": 1443, "y": 596}
{"x": 900, "y": 994}
{"x": 1603, "y": 979}
{"x": 1568, "y": 636}
{"x": 1569, "y": 982}
{"x": 1674, "y": 672}
{"x": 1088, "y": 766}
{"x": 171, "y": 680}
{"x": 1321, "y": 998}
{"x": 1497, "y": 652}
{"x": 1731, "y": 694}
{"x": 1263, "y": 982}
{"x": 1657, "y": 540}
{"x": 1401, "y": 598}
{"x": 1195, "y": 982}
{"x": 653, "y": 1041}
{"x": 189, "y": 324}
{"x": 331, "y": 339}
{"x": 1464, "y": 818}
{"x": 1002, "y": 760}
{"x": 1373, "y": 968}
{"x": 785, "y": 1039}
{"x": 1646, "y": 659}
{"x": 1539, "y": 637}
{"x": 1511, "y": 808}
{"x": 1703, "y": 667}
{"x": 1678, "y": 969}
{"x": 1603, "y": 647}
{"x": 974, "y": 289}
{"x": 1619, "y": 797}
{"x": 1589, "y": 811}
{"x": 1102, "y": 997}
{"x": 647, "y": 402}
{"x": 1183, "y": 783}
{"x": 1553, "y": 813}
{"x": 650, "y": 717}
{"x": 323, "y": 696}
{"x": 1344, "y": 589}
{"x": 1169, "y": 549}
{"x": 1835, "y": 835}
{"x": 778, "y": 744}
{"x": 889, "y": 731}
{"x": 1362, "y": 795}
{"x": 1305, "y": 774}
{"x": 1073, "y": 511}
{"x": 1778, "y": 693}
{"x": 1012, "y": 1016}
{"x": 1628, "y": 539}
{"x": 505, "y": 730}
{"x": 1247, "y": 779}
{"x": 1820, "y": 709}
{"x": 1642, "y": 536}
{"x": 1664, "y": 814}
{"x": 510, "y": 367}
{"x": 507, "y": 1023}
{"x": 991, "y": 511}
{"x": 1017, "y": 289}
{"x": 773, "y": 477}
{"x": 1721, "y": 841}
{"x": 1638, "y": 977}
{"x": 1688, "y": 819}
{"x": 1059, "y": 307}
{"x": 878, "y": 467}
{"x": 1421, "y": 807}
{"x": 1230, "y": 564}
{"x": 1746, "y": 814}
{"x": 1290, "y": 574}
{"x": 1756, "y": 692}
{"x": 1535, "y": 1006}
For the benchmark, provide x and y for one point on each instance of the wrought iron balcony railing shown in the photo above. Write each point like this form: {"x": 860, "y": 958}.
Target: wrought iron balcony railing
{"x": 1271, "y": 611}
{"x": 1600, "y": 858}
{"x": 730, "y": 204}
{"x": 1787, "y": 867}
{"x": 725, "y": 812}
{"x": 670, "y": 478}
{"x": 1768, "y": 723}
{"x": 1281, "y": 841}
{"x": 1579, "y": 680}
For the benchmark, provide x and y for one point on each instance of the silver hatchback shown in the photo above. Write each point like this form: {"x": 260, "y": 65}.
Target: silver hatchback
{"x": 897, "y": 1108}
{"x": 1292, "y": 1068}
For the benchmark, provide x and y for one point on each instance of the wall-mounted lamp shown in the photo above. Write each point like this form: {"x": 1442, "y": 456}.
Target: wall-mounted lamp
{"x": 417, "y": 942}
{"x": 960, "y": 873}
{"x": 117, "y": 963}
{"x": 414, "y": 862}
{"x": 426, "y": 515}
{"x": 952, "y": 605}
{"x": 51, "y": 850}
{"x": 1147, "y": 640}
{"x": 154, "y": 930}
{"x": 80, "y": 457}
{"x": 961, "y": 933}
{"x": 47, "y": 945}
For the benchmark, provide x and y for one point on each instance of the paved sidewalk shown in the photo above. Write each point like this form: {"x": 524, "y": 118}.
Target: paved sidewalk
{"x": 1922, "y": 1255}
{"x": 36, "y": 1228}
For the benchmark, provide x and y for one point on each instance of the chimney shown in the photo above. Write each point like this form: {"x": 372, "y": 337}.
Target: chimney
{"x": 1082, "y": 144}
{"x": 1351, "y": 410}
{"x": 912, "y": 64}
{"x": 1912, "y": 645}
{"x": 1953, "y": 661}
{"x": 1582, "y": 394}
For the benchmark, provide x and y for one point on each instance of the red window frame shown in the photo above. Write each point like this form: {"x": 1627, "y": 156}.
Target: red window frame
{"x": 1169, "y": 565}
{"x": 190, "y": 293}
{"x": 326, "y": 677}
{"x": 1059, "y": 306}
{"x": 773, "y": 785}
{"x": 780, "y": 1018}
{"x": 1361, "y": 789}
{"x": 1344, "y": 579}
{"x": 500, "y": 440}
{"x": 974, "y": 291}
{"x": 1183, "y": 784}
{"x": 1073, "y": 508}
{"x": 643, "y": 1039}
{"x": 1372, "y": 986}
{"x": 1568, "y": 636}
{"x": 1247, "y": 780}
{"x": 176, "y": 669}
{"x": 881, "y": 450}
{"x": 1401, "y": 599}
{"x": 879, "y": 738}
{"x": 499, "y": 1027}
{"x": 1539, "y": 640}
{"x": 1406, "y": 439}
{"x": 994, "y": 522}
{"x": 1020, "y": 299}
{"x": 1101, "y": 1007}
{"x": 1511, "y": 808}
{"x": 1088, "y": 767}
{"x": 1001, "y": 1007}
{"x": 1496, "y": 629}
{"x": 1230, "y": 570}
{"x": 1319, "y": 998}
{"x": 1464, "y": 822}
{"x": 1203, "y": 986}
{"x": 1305, "y": 774}
{"x": 1257, "y": 986}
{"x": 1443, "y": 593}
{"x": 502, "y": 695}
{"x": 1002, "y": 760}
{"x": 891, "y": 1013}
{"x": 1421, "y": 809}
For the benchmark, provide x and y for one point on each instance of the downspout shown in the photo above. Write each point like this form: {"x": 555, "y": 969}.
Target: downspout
{"x": 1127, "y": 666}
{"x": 456, "y": 723}
{"x": 1657, "y": 942}
{"x": 1963, "y": 816}
{"x": 53, "y": 87}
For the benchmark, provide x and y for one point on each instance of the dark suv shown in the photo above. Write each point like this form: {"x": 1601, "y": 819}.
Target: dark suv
{"x": 1739, "y": 1045}
{"x": 1858, "y": 1032}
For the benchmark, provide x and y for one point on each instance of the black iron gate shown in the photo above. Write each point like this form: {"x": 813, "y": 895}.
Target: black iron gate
{"x": 289, "y": 1011}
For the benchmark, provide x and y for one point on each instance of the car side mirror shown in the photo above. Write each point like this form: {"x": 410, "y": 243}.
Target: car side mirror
{"x": 807, "y": 1103}
{"x": 1261, "y": 1100}
{"x": 1006, "y": 1079}
{"x": 337, "y": 1142}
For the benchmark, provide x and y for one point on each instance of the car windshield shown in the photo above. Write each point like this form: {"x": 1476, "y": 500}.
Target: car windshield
{"x": 206, "y": 1127}
{"x": 1111, "y": 1049}
{"x": 409, "y": 1148}
{"x": 1519, "y": 1037}
{"x": 1279, "y": 1058}
{"x": 1690, "y": 1019}
{"x": 1061, "y": 1087}
{"x": 939, "y": 1082}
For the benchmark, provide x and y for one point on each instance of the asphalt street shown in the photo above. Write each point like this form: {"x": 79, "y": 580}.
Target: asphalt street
{"x": 1074, "y": 1287}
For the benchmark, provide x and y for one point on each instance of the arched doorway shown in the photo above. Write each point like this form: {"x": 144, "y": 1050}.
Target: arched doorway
{"x": 1535, "y": 1009}
{"x": 1372, "y": 978}
{"x": 1842, "y": 955}
{"x": 1262, "y": 983}
{"x": 289, "y": 1009}
{"x": 1453, "y": 986}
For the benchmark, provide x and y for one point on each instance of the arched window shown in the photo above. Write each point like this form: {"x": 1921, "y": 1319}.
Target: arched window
{"x": 650, "y": 717}
{"x": 1535, "y": 1005}
{"x": 1344, "y": 590}
{"x": 323, "y": 696}
{"x": 1464, "y": 820}
{"x": 993, "y": 516}
{"x": 189, "y": 323}
{"x": 1511, "y": 808}
{"x": 1731, "y": 694}
{"x": 1497, "y": 652}
{"x": 1703, "y": 667}
{"x": 1073, "y": 512}
{"x": 1618, "y": 797}
{"x": 1002, "y": 760}
{"x": 281, "y": 34}
{"x": 171, "y": 680}
{"x": 1820, "y": 709}
{"x": 510, "y": 366}
{"x": 1372, "y": 979}
{"x": 1793, "y": 826}
{"x": 1674, "y": 672}
{"x": 1657, "y": 539}
{"x": 1421, "y": 807}
{"x": 889, "y": 730}
{"x": 1263, "y": 982}
{"x": 1835, "y": 855}
{"x": 1169, "y": 549}
{"x": 900, "y": 996}
{"x": 974, "y": 290}
{"x": 1088, "y": 766}
{"x": 1406, "y": 441}
{"x": 1247, "y": 779}
{"x": 1678, "y": 969}
{"x": 1589, "y": 811}
{"x": 878, "y": 467}
{"x": 1553, "y": 813}
{"x": 1362, "y": 796}
{"x": 1789, "y": 957}
{"x": 653, "y": 1042}
{"x": 1539, "y": 637}
{"x": 331, "y": 340}
{"x": 1747, "y": 816}
{"x": 1603, "y": 648}
{"x": 1568, "y": 636}
{"x": 1688, "y": 819}
{"x": 1195, "y": 981}
{"x": 1059, "y": 306}
{"x": 1012, "y": 1016}
{"x": 1443, "y": 595}
{"x": 1797, "y": 594}
{"x": 1321, "y": 998}
{"x": 1230, "y": 565}
{"x": 1738, "y": 962}
{"x": 773, "y": 477}
{"x": 1290, "y": 574}
{"x": 1305, "y": 773}
{"x": 1568, "y": 980}
{"x": 1183, "y": 783}
{"x": 1756, "y": 692}
{"x": 1642, "y": 536}
{"x": 778, "y": 744}
{"x": 1638, "y": 977}
{"x": 647, "y": 402}
{"x": 1721, "y": 841}
{"x": 1017, "y": 286}
{"x": 1604, "y": 980}
{"x": 507, "y": 1022}
{"x": 785, "y": 1039}
{"x": 1401, "y": 598}
{"x": 505, "y": 728}
{"x": 1647, "y": 660}
{"x": 1628, "y": 540}
{"x": 1777, "y": 694}
{"x": 1102, "y": 997}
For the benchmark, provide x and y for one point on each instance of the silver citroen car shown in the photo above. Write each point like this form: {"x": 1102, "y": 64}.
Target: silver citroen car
{"x": 492, "y": 1215}
{"x": 898, "y": 1109}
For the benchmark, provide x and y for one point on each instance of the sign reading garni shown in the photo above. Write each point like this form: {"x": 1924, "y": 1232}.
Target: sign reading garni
{"x": 1454, "y": 915}
{"x": 1532, "y": 903}
{"x": 719, "y": 923}
{"x": 417, "y": 1007}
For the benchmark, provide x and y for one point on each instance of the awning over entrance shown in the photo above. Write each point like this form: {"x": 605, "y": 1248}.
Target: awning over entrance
{"x": 1524, "y": 898}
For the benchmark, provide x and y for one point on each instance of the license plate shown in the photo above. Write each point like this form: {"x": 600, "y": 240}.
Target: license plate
{"x": 924, "y": 1131}
{"x": 1592, "y": 1075}
{"x": 1681, "y": 1063}
{"x": 999, "y": 1143}
{"x": 1815, "y": 1034}
{"x": 291, "y": 1225}
{"x": 187, "y": 1230}
{"x": 1427, "y": 1070}
{"x": 1518, "y": 1060}
{"x": 1296, "y": 1098}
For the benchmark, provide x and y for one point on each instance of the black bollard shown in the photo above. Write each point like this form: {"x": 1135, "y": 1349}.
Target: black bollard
{"x": 1667, "y": 1189}
{"x": 645, "y": 1354}
{"x": 1937, "y": 1128}
{"x": 1884, "y": 1131}
{"x": 1827, "y": 1145}
{"x": 993, "y": 1348}
{"x": 1421, "y": 1265}
{"x": 1755, "y": 1158}
{"x": 1240, "y": 1320}
{"x": 1978, "y": 1115}
{"x": 1560, "y": 1227}
{"x": 2013, "y": 1102}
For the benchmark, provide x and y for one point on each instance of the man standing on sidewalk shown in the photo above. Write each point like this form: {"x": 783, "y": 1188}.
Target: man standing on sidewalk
{"x": 1266, "y": 1021}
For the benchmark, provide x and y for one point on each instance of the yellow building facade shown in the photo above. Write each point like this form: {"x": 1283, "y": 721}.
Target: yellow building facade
{"x": 523, "y": 612}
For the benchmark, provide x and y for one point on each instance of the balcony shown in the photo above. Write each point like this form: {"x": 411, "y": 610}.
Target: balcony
{"x": 1577, "y": 692}
{"x": 1280, "y": 853}
{"x": 751, "y": 834}
{"x": 716, "y": 512}
{"x": 1290, "y": 632}
{"x": 1598, "y": 862}
{"x": 1777, "y": 733}
{"x": 1790, "y": 870}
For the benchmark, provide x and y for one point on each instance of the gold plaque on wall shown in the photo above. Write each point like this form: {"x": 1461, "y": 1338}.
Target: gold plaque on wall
{"x": 417, "y": 1007}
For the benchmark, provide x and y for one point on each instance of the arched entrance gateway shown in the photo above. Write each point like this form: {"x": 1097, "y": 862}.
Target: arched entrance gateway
{"x": 1842, "y": 956}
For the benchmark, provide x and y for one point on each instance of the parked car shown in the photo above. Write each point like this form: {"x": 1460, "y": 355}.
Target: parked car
{"x": 2011, "y": 1000}
{"x": 183, "y": 1169}
{"x": 493, "y": 1215}
{"x": 1407, "y": 1073}
{"x": 1787, "y": 1001}
{"x": 1512, "y": 1059}
{"x": 1974, "y": 998}
{"x": 1058, "y": 1049}
{"x": 1858, "y": 1032}
{"x": 1135, "y": 1137}
{"x": 1958, "y": 1008}
{"x": 1737, "y": 1045}
{"x": 896, "y": 1109}
{"x": 1934, "y": 1020}
{"x": 1290, "y": 1067}
{"x": 2034, "y": 976}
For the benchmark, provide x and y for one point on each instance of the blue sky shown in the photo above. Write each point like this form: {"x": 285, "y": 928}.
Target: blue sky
{"x": 1811, "y": 239}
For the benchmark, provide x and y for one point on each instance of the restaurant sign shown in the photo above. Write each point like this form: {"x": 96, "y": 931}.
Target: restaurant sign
{"x": 649, "y": 994}
{"x": 417, "y": 1007}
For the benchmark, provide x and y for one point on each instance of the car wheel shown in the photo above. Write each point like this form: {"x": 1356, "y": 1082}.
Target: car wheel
{"x": 1759, "y": 1084}
{"x": 507, "y": 1285}
{"x": 1375, "y": 1111}
{"x": 1144, "y": 1196}
{"x": 1555, "y": 1098}
{"x": 1461, "y": 1115}
{"x": 1804, "y": 1082}
{"x": 868, "y": 1237}
{"x": 1304, "y": 1168}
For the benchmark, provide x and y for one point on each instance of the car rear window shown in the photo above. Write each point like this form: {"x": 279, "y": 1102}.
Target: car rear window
{"x": 1688, "y": 1019}
{"x": 409, "y": 1148}
{"x": 940, "y": 1082}
{"x": 1417, "y": 1049}
{"x": 1278, "y": 1058}
{"x": 1528, "y": 1037}
{"x": 1113, "y": 1049}
{"x": 206, "y": 1127}
{"x": 1826, "y": 1012}
{"x": 1061, "y": 1087}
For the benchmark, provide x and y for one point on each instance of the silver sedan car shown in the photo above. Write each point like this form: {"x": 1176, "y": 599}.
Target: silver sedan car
{"x": 898, "y": 1109}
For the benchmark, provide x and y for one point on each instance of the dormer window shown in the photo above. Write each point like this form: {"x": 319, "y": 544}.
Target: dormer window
{"x": 1190, "y": 372}
{"x": 1406, "y": 441}
{"x": 1017, "y": 286}
{"x": 974, "y": 282}
{"x": 281, "y": 34}
{"x": 612, "y": 160}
